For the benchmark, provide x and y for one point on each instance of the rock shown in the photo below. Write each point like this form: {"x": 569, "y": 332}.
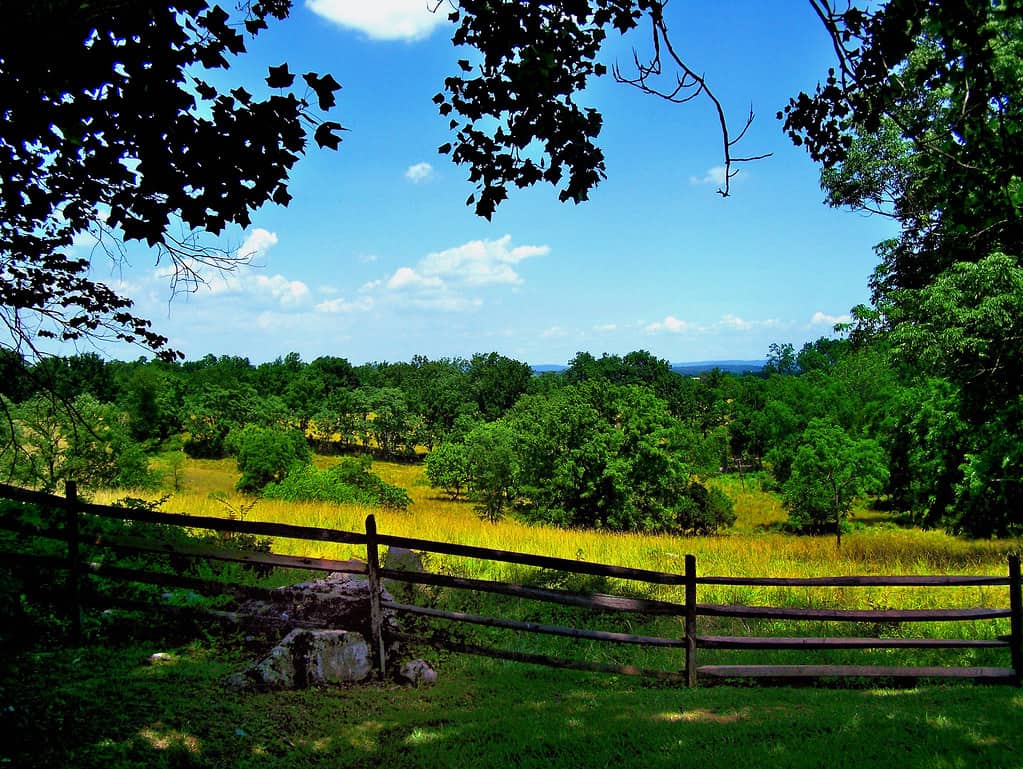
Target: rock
{"x": 339, "y": 601}
{"x": 308, "y": 658}
{"x": 402, "y": 559}
{"x": 418, "y": 673}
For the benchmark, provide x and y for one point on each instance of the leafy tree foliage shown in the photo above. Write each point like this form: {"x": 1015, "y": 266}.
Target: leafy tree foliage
{"x": 496, "y": 382}
{"x": 921, "y": 122}
{"x": 448, "y": 467}
{"x": 494, "y": 468}
{"x": 83, "y": 440}
{"x": 830, "y": 469}
{"x": 265, "y": 455}
{"x": 589, "y": 455}
{"x": 120, "y": 134}
{"x": 352, "y": 480}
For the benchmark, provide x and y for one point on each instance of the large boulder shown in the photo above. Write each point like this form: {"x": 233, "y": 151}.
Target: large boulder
{"x": 339, "y": 602}
{"x": 306, "y": 658}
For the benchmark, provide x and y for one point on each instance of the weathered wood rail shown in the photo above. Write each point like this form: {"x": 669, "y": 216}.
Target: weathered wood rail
{"x": 71, "y": 512}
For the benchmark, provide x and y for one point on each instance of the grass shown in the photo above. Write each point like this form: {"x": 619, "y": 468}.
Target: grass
{"x": 754, "y": 547}
{"x": 103, "y": 705}
{"x": 108, "y": 708}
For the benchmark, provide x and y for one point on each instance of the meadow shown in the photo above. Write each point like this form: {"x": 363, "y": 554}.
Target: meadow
{"x": 111, "y": 704}
{"x": 755, "y": 546}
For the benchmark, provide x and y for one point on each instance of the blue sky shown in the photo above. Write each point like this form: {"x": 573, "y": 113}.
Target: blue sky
{"x": 377, "y": 257}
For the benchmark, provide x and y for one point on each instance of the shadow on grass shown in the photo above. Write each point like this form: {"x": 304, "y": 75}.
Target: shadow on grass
{"x": 115, "y": 707}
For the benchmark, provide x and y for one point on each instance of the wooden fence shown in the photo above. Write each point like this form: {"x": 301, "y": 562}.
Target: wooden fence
{"x": 689, "y": 611}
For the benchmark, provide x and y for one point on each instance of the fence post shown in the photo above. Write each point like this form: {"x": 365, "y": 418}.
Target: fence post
{"x": 690, "y": 620}
{"x": 74, "y": 568}
{"x": 1016, "y": 620}
{"x": 376, "y": 615}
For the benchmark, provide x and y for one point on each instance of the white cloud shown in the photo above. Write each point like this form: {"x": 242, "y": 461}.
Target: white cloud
{"x": 419, "y": 172}
{"x": 406, "y": 277}
{"x": 290, "y": 293}
{"x": 554, "y": 332}
{"x": 728, "y": 323}
{"x": 451, "y": 279}
{"x": 383, "y": 19}
{"x": 605, "y": 327}
{"x": 673, "y": 325}
{"x": 715, "y": 175}
{"x": 480, "y": 262}
{"x": 734, "y": 322}
{"x": 341, "y": 305}
{"x": 823, "y": 319}
{"x": 257, "y": 243}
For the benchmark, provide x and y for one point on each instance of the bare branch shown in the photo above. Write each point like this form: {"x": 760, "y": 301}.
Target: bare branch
{"x": 688, "y": 86}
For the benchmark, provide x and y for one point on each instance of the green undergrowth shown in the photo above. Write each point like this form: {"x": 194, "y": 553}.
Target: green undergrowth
{"x": 110, "y": 706}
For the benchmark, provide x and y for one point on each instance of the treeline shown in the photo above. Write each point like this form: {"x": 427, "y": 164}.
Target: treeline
{"x": 616, "y": 442}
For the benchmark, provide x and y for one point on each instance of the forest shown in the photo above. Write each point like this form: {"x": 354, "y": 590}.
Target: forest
{"x": 616, "y": 443}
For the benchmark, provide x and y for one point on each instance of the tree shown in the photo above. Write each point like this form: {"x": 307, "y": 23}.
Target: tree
{"x": 493, "y": 468}
{"x": 120, "y": 134}
{"x": 532, "y": 61}
{"x": 496, "y": 382}
{"x": 84, "y": 440}
{"x": 448, "y": 468}
{"x": 921, "y": 122}
{"x": 266, "y": 455}
{"x": 608, "y": 456}
{"x": 829, "y": 471}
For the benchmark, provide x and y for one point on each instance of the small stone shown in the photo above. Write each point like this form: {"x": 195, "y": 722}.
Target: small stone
{"x": 418, "y": 673}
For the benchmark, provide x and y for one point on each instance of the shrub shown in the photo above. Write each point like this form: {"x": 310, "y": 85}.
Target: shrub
{"x": 266, "y": 455}
{"x": 350, "y": 481}
{"x": 704, "y": 511}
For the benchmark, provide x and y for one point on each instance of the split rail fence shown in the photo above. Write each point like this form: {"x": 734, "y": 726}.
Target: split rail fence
{"x": 74, "y": 512}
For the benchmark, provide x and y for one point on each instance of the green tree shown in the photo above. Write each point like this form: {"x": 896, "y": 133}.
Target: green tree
{"x": 496, "y": 382}
{"x": 494, "y": 468}
{"x": 829, "y": 471}
{"x": 84, "y": 440}
{"x": 448, "y": 468}
{"x": 921, "y": 122}
{"x": 609, "y": 456}
{"x": 266, "y": 455}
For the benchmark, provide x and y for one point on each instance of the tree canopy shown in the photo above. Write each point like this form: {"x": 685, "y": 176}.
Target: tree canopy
{"x": 117, "y": 134}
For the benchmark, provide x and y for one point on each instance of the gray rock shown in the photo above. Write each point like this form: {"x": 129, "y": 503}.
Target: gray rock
{"x": 402, "y": 559}
{"x": 308, "y": 658}
{"x": 339, "y": 601}
{"x": 418, "y": 673}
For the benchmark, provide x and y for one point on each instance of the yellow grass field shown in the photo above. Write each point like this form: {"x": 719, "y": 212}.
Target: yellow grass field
{"x": 748, "y": 549}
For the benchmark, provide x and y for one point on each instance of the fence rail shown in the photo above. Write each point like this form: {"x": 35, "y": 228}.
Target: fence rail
{"x": 74, "y": 512}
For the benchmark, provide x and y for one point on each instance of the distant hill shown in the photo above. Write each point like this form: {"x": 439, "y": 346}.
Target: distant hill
{"x": 730, "y": 366}
{"x": 694, "y": 368}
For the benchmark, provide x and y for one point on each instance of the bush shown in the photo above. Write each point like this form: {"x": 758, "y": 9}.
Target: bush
{"x": 266, "y": 455}
{"x": 704, "y": 511}
{"x": 350, "y": 481}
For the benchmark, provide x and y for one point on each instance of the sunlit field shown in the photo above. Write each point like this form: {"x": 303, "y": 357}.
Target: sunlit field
{"x": 753, "y": 547}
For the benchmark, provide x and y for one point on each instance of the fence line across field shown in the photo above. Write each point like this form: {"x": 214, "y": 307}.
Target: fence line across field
{"x": 689, "y": 611}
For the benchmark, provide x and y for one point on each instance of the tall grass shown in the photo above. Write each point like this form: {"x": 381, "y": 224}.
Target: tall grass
{"x": 753, "y": 547}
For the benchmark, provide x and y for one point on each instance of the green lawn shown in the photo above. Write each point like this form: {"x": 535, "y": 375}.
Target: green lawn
{"x": 106, "y": 707}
